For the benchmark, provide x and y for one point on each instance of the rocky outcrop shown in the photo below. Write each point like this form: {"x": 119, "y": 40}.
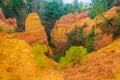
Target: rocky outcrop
{"x": 103, "y": 64}
{"x": 7, "y": 24}
{"x": 66, "y": 23}
{"x": 18, "y": 62}
{"x": 34, "y": 32}
{"x": 70, "y": 19}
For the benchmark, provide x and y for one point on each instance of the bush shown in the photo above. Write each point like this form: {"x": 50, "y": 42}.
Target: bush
{"x": 117, "y": 25}
{"x": 10, "y": 31}
{"x": 77, "y": 38}
{"x": 89, "y": 41}
{"x": 41, "y": 60}
{"x": 51, "y": 44}
{"x": 21, "y": 28}
{"x": 1, "y": 29}
{"x": 40, "y": 51}
{"x": 55, "y": 57}
{"x": 73, "y": 55}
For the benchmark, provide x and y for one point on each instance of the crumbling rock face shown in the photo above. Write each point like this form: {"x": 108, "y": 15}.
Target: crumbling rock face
{"x": 65, "y": 25}
{"x": 103, "y": 64}
{"x": 18, "y": 62}
{"x": 7, "y": 23}
{"x": 70, "y": 19}
{"x": 82, "y": 20}
{"x": 34, "y": 32}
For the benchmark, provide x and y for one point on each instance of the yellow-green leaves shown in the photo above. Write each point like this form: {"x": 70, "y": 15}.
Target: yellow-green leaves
{"x": 73, "y": 55}
{"x": 40, "y": 50}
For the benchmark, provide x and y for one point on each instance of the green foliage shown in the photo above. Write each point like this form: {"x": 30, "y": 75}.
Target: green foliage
{"x": 1, "y": 29}
{"x": 75, "y": 7}
{"x": 98, "y": 7}
{"x": 11, "y": 31}
{"x": 14, "y": 9}
{"x": 75, "y": 4}
{"x": 110, "y": 3}
{"x": 107, "y": 22}
{"x": 40, "y": 51}
{"x": 48, "y": 10}
{"x": 21, "y": 28}
{"x": 73, "y": 55}
{"x": 72, "y": 36}
{"x": 107, "y": 26}
{"x": 53, "y": 10}
{"x": 55, "y": 57}
{"x": 51, "y": 44}
{"x": 117, "y": 25}
{"x": 68, "y": 8}
{"x": 41, "y": 60}
{"x": 81, "y": 36}
{"x": 89, "y": 41}
{"x": 77, "y": 38}
{"x": 1, "y": 4}
{"x": 116, "y": 2}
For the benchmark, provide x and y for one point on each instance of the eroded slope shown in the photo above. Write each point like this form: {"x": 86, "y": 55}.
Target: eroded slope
{"x": 103, "y": 64}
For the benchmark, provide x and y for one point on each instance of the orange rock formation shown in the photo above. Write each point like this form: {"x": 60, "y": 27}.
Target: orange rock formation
{"x": 34, "y": 31}
{"x": 67, "y": 22}
{"x": 7, "y": 23}
{"x": 18, "y": 62}
{"x": 103, "y": 64}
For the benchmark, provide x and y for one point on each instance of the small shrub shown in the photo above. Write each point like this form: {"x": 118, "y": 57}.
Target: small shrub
{"x": 73, "y": 55}
{"x": 106, "y": 22}
{"x": 117, "y": 25}
{"x": 40, "y": 51}
{"x": 107, "y": 26}
{"x": 96, "y": 20}
{"x": 51, "y": 44}
{"x": 21, "y": 28}
{"x": 10, "y": 31}
{"x": 55, "y": 57}
{"x": 1, "y": 29}
{"x": 41, "y": 60}
{"x": 89, "y": 41}
{"x": 77, "y": 38}
{"x": 72, "y": 36}
{"x": 80, "y": 37}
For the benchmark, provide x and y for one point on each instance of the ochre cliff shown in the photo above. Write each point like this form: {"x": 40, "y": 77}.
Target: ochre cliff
{"x": 66, "y": 23}
{"x": 103, "y": 64}
{"x": 34, "y": 31}
{"x": 18, "y": 62}
{"x": 7, "y": 24}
